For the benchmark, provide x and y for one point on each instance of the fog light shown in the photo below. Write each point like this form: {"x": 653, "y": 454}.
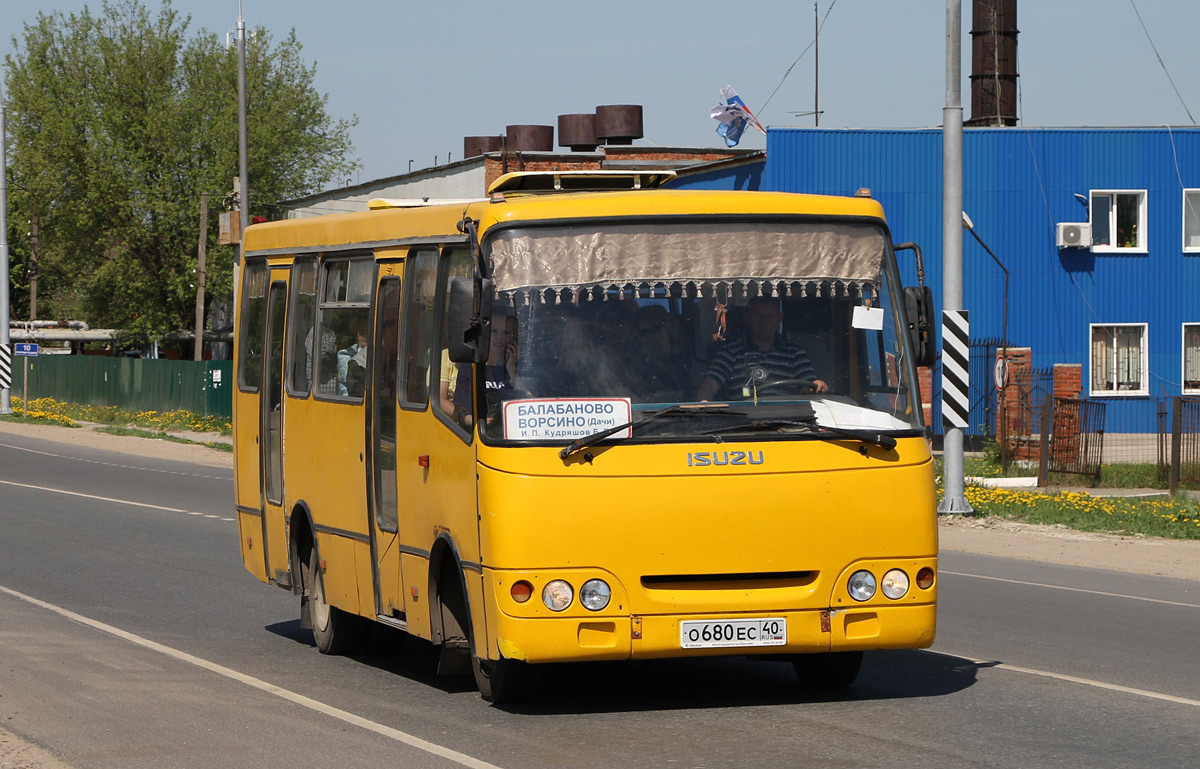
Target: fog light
{"x": 861, "y": 585}
{"x": 595, "y": 594}
{"x": 557, "y": 595}
{"x": 521, "y": 591}
{"x": 925, "y": 578}
{"x": 894, "y": 584}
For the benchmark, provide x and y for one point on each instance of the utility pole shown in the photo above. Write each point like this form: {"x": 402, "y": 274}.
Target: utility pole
{"x": 32, "y": 267}
{"x": 243, "y": 153}
{"x": 5, "y": 338}
{"x": 816, "y": 68}
{"x": 955, "y": 333}
{"x": 201, "y": 256}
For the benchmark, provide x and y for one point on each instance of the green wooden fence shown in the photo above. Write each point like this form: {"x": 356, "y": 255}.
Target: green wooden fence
{"x": 132, "y": 384}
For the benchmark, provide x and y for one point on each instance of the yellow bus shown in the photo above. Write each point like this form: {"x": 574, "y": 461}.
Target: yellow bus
{"x": 590, "y": 418}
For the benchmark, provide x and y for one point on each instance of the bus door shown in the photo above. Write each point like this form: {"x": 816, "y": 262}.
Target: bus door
{"x": 381, "y": 417}
{"x": 271, "y": 401}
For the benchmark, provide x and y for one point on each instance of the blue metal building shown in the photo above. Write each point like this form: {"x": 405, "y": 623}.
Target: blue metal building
{"x": 1119, "y": 294}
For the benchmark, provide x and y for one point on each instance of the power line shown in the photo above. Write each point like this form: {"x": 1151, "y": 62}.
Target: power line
{"x": 1161, "y": 63}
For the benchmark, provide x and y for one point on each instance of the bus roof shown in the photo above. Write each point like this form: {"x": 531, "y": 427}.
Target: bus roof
{"x": 439, "y": 220}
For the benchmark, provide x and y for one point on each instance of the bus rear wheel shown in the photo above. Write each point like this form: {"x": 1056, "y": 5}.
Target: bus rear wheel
{"x": 334, "y": 631}
{"x": 831, "y": 670}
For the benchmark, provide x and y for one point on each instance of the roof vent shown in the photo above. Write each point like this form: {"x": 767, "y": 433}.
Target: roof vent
{"x": 619, "y": 123}
{"x": 530, "y": 138}
{"x": 578, "y": 132}
{"x": 480, "y": 145}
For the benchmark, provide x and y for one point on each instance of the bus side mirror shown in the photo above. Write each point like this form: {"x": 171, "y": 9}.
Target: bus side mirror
{"x": 469, "y": 320}
{"x": 918, "y": 309}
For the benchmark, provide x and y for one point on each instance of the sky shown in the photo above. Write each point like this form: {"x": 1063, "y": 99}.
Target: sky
{"x": 420, "y": 75}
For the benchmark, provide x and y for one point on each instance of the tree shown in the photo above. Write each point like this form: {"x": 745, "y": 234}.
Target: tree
{"x": 117, "y": 123}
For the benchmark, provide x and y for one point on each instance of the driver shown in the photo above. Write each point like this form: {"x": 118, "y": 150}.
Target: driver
{"x": 761, "y": 345}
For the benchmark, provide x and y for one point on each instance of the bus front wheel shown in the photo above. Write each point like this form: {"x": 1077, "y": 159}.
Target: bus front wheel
{"x": 830, "y": 670}
{"x": 500, "y": 680}
{"x": 334, "y": 631}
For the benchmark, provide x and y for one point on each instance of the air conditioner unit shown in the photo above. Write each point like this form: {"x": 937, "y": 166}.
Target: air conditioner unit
{"x": 1074, "y": 235}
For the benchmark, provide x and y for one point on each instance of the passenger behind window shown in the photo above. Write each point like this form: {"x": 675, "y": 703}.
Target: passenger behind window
{"x": 352, "y": 364}
{"x": 327, "y": 353}
{"x": 614, "y": 372}
{"x": 447, "y": 385}
{"x": 661, "y": 375}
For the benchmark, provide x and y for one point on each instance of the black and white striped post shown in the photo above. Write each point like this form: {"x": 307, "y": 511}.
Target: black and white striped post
{"x": 956, "y": 381}
{"x": 6, "y": 368}
{"x": 953, "y": 497}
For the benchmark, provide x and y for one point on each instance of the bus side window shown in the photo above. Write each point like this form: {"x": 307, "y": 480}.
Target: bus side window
{"x": 418, "y": 331}
{"x": 302, "y": 345}
{"x": 343, "y": 319}
{"x": 457, "y": 264}
{"x": 252, "y": 330}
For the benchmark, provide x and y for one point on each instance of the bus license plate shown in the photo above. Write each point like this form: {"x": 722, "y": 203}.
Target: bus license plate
{"x": 721, "y": 633}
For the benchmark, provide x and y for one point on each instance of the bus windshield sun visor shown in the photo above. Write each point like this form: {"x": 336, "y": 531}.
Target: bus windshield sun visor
{"x": 692, "y": 257}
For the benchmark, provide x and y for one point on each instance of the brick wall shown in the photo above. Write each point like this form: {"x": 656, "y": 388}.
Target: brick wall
{"x": 925, "y": 382}
{"x": 1011, "y": 416}
{"x": 1066, "y": 439}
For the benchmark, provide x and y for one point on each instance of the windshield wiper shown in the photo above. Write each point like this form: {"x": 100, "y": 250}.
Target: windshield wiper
{"x": 866, "y": 436}
{"x": 590, "y": 440}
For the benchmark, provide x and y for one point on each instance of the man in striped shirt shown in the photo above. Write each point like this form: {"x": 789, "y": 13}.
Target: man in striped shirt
{"x": 761, "y": 346}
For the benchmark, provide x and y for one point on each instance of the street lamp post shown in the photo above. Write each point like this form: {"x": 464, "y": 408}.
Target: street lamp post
{"x": 5, "y": 354}
{"x": 954, "y": 498}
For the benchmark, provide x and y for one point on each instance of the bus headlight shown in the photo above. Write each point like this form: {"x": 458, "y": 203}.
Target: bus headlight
{"x": 894, "y": 584}
{"x": 595, "y": 594}
{"x": 557, "y": 594}
{"x": 861, "y": 585}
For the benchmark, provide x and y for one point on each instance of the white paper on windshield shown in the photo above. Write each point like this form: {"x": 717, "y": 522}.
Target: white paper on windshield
{"x": 868, "y": 318}
{"x": 541, "y": 419}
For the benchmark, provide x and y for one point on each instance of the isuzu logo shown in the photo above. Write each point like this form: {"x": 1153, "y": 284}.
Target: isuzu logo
{"x": 720, "y": 458}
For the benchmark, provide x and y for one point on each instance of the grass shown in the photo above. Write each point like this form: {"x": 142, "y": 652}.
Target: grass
{"x": 1159, "y": 516}
{"x": 137, "y": 432}
{"x": 1163, "y": 516}
{"x": 145, "y": 424}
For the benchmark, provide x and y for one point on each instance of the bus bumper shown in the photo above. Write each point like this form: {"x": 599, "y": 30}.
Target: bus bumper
{"x": 605, "y": 637}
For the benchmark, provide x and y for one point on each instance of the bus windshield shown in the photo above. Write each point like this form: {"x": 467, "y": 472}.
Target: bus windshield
{"x": 773, "y": 327}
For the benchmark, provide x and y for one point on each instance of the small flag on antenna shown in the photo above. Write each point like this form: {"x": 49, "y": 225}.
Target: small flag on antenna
{"x": 734, "y": 116}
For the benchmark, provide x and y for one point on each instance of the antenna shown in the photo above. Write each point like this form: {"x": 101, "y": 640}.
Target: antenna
{"x": 817, "y": 67}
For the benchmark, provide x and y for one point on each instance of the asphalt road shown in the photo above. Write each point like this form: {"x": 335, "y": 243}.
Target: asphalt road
{"x": 131, "y": 636}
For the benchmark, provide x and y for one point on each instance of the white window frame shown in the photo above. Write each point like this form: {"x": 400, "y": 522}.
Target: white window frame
{"x": 1143, "y": 244}
{"x": 1097, "y": 389}
{"x": 1191, "y": 338}
{"x": 1194, "y": 210}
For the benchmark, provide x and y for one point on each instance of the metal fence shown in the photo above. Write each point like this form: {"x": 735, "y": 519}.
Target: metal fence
{"x": 134, "y": 384}
{"x": 1185, "y": 442}
{"x": 1076, "y": 440}
{"x": 1021, "y": 419}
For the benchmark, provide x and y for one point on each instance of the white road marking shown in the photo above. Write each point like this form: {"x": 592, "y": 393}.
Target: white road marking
{"x": 993, "y": 664}
{"x": 1074, "y": 589}
{"x": 106, "y": 499}
{"x": 286, "y": 694}
{"x": 111, "y": 464}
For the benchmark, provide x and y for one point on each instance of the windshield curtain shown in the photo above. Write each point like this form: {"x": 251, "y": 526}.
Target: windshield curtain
{"x": 715, "y": 254}
{"x": 585, "y": 356}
